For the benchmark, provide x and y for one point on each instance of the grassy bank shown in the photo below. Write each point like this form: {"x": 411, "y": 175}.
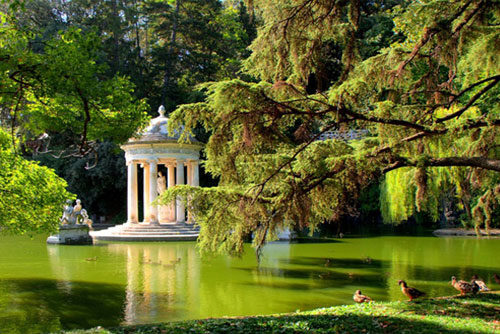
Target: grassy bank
{"x": 457, "y": 315}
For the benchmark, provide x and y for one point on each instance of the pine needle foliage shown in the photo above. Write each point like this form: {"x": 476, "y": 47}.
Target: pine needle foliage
{"x": 427, "y": 95}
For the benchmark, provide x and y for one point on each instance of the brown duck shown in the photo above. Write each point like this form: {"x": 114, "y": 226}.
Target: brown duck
{"x": 411, "y": 293}
{"x": 497, "y": 278}
{"x": 464, "y": 287}
{"x": 480, "y": 283}
{"x": 359, "y": 298}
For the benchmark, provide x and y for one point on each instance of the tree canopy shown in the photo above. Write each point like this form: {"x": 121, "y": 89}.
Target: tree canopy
{"x": 57, "y": 86}
{"x": 418, "y": 79}
{"x": 76, "y": 78}
{"x": 31, "y": 196}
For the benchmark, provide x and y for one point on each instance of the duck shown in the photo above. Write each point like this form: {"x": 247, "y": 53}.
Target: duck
{"x": 497, "y": 278}
{"x": 464, "y": 287}
{"x": 176, "y": 261}
{"x": 480, "y": 283}
{"x": 91, "y": 258}
{"x": 411, "y": 293}
{"x": 360, "y": 298}
{"x": 325, "y": 275}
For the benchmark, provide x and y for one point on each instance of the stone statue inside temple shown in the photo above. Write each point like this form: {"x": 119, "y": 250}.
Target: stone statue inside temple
{"x": 161, "y": 183}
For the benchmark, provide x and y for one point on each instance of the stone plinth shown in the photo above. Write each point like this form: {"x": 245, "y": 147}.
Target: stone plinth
{"x": 71, "y": 235}
{"x": 148, "y": 232}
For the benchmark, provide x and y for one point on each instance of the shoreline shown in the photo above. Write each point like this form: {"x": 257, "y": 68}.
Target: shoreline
{"x": 462, "y": 232}
{"x": 447, "y": 314}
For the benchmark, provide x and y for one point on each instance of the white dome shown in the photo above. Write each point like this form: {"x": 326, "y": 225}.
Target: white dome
{"x": 158, "y": 130}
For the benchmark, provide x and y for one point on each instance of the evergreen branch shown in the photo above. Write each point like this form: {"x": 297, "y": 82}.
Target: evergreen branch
{"x": 418, "y": 135}
{"x": 458, "y": 113}
{"x": 457, "y": 96}
{"x": 324, "y": 176}
{"x": 348, "y": 112}
{"x": 402, "y": 141}
{"x": 429, "y": 33}
{"x": 469, "y": 16}
{"x": 481, "y": 162}
{"x": 295, "y": 12}
{"x": 389, "y": 121}
{"x": 262, "y": 185}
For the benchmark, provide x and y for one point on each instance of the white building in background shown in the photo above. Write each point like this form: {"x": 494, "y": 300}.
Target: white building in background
{"x": 152, "y": 150}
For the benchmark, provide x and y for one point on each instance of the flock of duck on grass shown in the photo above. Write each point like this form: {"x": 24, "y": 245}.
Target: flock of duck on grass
{"x": 474, "y": 286}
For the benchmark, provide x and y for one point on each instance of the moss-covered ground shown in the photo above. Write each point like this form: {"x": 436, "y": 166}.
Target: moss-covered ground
{"x": 457, "y": 315}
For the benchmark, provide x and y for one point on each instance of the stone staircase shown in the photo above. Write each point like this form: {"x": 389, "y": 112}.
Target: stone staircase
{"x": 147, "y": 232}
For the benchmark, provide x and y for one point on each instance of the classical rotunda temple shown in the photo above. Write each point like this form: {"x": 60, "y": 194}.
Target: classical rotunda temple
{"x": 165, "y": 163}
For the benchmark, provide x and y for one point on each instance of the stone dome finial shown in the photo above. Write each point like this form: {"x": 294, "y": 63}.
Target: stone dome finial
{"x": 161, "y": 111}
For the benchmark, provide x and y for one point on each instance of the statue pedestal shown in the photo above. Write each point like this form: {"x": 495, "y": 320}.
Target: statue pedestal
{"x": 165, "y": 214}
{"x": 71, "y": 235}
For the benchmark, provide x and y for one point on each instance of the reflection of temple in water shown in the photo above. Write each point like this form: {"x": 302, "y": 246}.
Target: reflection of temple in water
{"x": 158, "y": 282}
{"x": 147, "y": 283}
{"x": 167, "y": 282}
{"x": 156, "y": 276}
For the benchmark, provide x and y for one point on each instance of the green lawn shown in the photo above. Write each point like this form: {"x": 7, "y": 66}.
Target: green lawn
{"x": 468, "y": 314}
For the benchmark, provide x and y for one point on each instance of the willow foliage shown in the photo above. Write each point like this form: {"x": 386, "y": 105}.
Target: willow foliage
{"x": 425, "y": 97}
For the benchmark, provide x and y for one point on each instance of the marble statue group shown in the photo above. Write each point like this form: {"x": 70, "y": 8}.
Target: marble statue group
{"x": 75, "y": 214}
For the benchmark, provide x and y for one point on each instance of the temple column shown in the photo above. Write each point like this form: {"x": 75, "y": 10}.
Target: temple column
{"x": 195, "y": 166}
{"x": 189, "y": 178}
{"x": 193, "y": 180}
{"x": 181, "y": 214}
{"x": 189, "y": 181}
{"x": 171, "y": 183}
{"x": 132, "y": 203}
{"x": 153, "y": 192}
{"x": 146, "y": 201}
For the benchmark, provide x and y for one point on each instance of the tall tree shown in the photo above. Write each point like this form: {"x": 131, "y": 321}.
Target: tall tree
{"x": 129, "y": 40}
{"x": 431, "y": 82}
{"x": 55, "y": 87}
{"x": 195, "y": 41}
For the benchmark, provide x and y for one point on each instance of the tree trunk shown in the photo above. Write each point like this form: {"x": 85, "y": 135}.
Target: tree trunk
{"x": 170, "y": 54}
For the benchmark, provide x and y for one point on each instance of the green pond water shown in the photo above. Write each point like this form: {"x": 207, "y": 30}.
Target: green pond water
{"x": 45, "y": 288}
